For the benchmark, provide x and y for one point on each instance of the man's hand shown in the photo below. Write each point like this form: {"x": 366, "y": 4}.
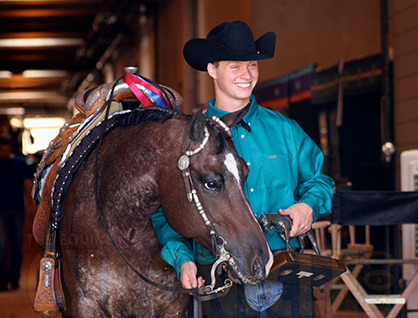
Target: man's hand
{"x": 188, "y": 275}
{"x": 302, "y": 218}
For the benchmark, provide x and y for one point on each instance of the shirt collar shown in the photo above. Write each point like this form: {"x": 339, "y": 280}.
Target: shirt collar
{"x": 249, "y": 117}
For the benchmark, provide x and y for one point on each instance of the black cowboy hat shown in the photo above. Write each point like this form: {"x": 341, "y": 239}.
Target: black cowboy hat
{"x": 229, "y": 41}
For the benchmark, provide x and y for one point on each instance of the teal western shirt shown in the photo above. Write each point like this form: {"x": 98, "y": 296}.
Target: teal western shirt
{"x": 285, "y": 168}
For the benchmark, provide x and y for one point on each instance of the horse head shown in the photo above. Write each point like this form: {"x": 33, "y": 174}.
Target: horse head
{"x": 214, "y": 205}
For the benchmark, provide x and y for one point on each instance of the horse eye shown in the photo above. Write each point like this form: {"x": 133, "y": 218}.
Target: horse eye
{"x": 211, "y": 185}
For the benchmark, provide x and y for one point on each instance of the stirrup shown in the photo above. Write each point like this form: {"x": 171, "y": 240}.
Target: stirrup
{"x": 49, "y": 297}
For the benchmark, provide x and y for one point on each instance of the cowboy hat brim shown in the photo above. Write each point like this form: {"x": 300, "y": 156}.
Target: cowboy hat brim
{"x": 199, "y": 52}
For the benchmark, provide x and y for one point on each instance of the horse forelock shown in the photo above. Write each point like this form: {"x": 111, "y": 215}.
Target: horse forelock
{"x": 230, "y": 161}
{"x": 222, "y": 136}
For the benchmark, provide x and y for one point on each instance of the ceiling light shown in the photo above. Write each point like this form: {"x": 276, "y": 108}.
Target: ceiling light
{"x": 6, "y": 74}
{"x": 55, "y": 122}
{"x": 46, "y": 96}
{"x": 32, "y": 0}
{"x": 40, "y": 42}
{"x": 27, "y": 95}
{"x": 44, "y": 73}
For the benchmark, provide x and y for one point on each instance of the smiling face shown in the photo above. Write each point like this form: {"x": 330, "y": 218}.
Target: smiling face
{"x": 234, "y": 82}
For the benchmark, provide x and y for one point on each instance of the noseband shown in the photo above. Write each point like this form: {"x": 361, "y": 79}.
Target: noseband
{"x": 218, "y": 242}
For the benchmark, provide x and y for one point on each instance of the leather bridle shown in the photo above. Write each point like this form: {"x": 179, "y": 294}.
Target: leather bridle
{"x": 218, "y": 242}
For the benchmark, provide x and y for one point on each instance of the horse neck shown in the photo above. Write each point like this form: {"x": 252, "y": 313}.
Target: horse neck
{"x": 149, "y": 151}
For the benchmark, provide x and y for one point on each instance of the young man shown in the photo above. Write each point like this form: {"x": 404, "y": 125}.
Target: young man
{"x": 285, "y": 172}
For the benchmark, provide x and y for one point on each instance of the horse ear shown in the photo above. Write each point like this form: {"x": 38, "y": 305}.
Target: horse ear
{"x": 196, "y": 126}
{"x": 234, "y": 118}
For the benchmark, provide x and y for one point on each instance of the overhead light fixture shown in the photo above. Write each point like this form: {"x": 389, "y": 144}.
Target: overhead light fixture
{"x": 44, "y": 96}
{"x": 44, "y": 73}
{"x": 32, "y": 0}
{"x": 40, "y": 42}
{"x": 41, "y": 130}
{"x": 6, "y": 74}
{"x": 50, "y": 122}
{"x": 27, "y": 95}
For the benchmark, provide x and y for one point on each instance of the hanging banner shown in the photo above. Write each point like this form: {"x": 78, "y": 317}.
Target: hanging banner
{"x": 290, "y": 88}
{"x": 273, "y": 94}
{"x": 300, "y": 84}
{"x": 359, "y": 77}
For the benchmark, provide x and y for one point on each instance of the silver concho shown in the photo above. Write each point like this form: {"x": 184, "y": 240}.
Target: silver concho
{"x": 184, "y": 162}
{"x": 47, "y": 266}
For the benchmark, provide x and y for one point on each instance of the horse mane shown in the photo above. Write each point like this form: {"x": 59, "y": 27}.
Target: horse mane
{"x": 160, "y": 114}
{"x": 147, "y": 114}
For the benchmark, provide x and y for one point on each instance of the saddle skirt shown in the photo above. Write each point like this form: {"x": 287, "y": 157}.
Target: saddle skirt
{"x": 91, "y": 106}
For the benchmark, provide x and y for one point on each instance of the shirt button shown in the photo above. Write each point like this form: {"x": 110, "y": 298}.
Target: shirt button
{"x": 242, "y": 136}
{"x": 248, "y": 163}
{"x": 252, "y": 190}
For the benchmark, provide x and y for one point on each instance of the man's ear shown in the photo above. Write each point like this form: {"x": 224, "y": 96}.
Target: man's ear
{"x": 211, "y": 70}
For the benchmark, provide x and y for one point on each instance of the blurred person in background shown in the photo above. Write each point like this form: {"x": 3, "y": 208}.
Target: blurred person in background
{"x": 15, "y": 197}
{"x": 6, "y": 127}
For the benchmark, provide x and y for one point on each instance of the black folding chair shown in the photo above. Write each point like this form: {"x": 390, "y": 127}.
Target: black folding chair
{"x": 364, "y": 208}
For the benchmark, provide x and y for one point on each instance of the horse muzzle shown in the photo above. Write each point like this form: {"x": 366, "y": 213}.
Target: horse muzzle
{"x": 252, "y": 273}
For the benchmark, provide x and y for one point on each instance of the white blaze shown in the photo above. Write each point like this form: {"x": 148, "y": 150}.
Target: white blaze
{"x": 231, "y": 164}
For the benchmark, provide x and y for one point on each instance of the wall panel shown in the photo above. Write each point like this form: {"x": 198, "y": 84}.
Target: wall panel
{"x": 403, "y": 25}
{"x": 321, "y": 32}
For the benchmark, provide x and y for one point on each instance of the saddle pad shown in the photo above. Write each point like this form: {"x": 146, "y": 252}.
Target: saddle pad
{"x": 78, "y": 153}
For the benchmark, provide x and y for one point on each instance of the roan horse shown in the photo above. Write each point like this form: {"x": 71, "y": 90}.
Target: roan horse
{"x": 138, "y": 171}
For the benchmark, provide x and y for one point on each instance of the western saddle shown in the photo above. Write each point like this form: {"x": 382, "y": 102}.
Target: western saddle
{"x": 127, "y": 92}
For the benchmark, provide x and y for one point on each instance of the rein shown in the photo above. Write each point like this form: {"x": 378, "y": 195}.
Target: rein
{"x": 183, "y": 164}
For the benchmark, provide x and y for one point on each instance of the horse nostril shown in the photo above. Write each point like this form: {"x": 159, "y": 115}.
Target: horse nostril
{"x": 258, "y": 270}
